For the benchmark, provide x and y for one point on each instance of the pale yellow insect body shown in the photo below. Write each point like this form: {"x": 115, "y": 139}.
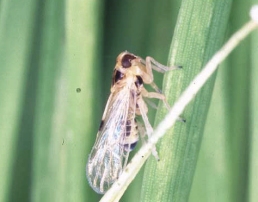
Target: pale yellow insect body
{"x": 118, "y": 131}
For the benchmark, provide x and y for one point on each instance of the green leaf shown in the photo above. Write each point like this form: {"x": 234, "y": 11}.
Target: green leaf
{"x": 65, "y": 121}
{"x": 198, "y": 34}
{"x": 222, "y": 172}
{"x": 16, "y": 41}
{"x": 253, "y": 141}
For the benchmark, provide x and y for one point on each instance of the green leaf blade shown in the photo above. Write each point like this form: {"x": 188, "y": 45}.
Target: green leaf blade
{"x": 199, "y": 33}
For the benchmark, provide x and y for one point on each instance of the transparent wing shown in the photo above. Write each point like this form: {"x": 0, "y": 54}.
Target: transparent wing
{"x": 108, "y": 155}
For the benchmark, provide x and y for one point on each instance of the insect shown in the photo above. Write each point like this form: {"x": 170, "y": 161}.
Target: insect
{"x": 118, "y": 130}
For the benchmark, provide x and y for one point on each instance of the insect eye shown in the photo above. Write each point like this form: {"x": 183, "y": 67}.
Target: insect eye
{"x": 126, "y": 60}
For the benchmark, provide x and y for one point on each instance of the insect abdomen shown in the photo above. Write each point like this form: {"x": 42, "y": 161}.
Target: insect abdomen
{"x": 131, "y": 136}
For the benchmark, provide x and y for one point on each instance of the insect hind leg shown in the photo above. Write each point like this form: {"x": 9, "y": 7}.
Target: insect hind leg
{"x": 143, "y": 133}
{"x": 147, "y": 129}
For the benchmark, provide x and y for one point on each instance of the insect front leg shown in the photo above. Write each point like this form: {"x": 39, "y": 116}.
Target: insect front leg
{"x": 150, "y": 64}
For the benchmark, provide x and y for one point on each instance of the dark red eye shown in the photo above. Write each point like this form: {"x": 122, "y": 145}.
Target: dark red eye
{"x": 126, "y": 60}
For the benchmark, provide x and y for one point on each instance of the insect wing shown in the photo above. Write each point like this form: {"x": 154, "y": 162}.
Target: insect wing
{"x": 108, "y": 155}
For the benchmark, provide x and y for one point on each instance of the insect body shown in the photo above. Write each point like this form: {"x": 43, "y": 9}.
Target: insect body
{"x": 118, "y": 131}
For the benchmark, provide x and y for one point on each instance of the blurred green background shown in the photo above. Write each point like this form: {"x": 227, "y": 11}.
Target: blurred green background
{"x": 50, "y": 49}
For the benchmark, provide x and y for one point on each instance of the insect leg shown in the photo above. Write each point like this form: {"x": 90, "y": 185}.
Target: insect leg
{"x": 142, "y": 132}
{"x": 148, "y": 127}
{"x": 160, "y": 96}
{"x": 150, "y": 62}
